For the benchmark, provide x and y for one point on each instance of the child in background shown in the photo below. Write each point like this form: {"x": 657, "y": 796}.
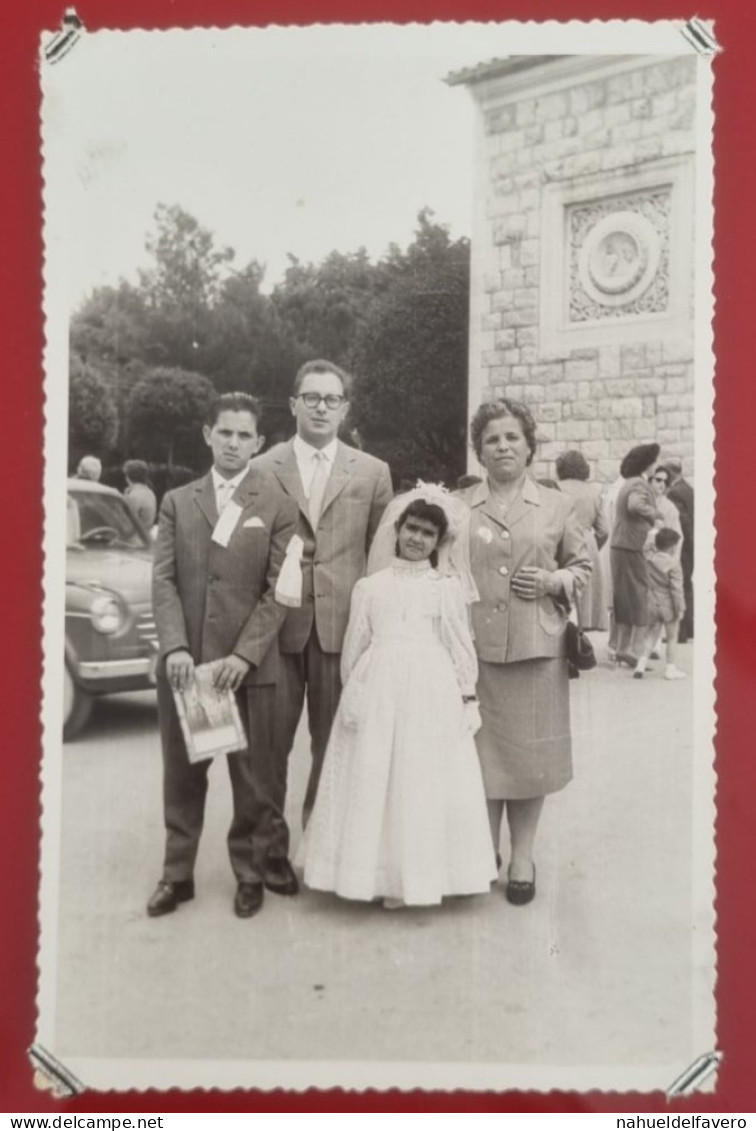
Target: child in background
{"x": 666, "y": 603}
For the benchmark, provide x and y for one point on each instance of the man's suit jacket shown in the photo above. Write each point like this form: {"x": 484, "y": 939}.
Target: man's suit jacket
{"x": 335, "y": 557}
{"x": 541, "y": 528}
{"x": 681, "y": 494}
{"x": 215, "y": 600}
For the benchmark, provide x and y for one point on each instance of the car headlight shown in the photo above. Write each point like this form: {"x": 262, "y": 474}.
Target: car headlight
{"x": 106, "y": 614}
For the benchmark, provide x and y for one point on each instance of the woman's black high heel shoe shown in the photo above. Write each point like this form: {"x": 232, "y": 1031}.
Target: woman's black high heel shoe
{"x": 521, "y": 892}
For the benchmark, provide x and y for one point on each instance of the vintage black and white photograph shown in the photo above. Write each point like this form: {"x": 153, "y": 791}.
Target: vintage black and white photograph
{"x": 379, "y": 652}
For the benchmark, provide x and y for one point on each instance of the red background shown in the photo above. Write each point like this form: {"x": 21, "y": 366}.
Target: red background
{"x": 21, "y": 516}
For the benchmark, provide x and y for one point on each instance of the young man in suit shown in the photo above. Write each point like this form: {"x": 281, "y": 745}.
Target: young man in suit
{"x": 341, "y": 494}
{"x": 214, "y": 601}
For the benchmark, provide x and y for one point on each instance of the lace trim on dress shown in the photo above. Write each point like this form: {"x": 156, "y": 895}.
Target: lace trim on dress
{"x": 419, "y": 569}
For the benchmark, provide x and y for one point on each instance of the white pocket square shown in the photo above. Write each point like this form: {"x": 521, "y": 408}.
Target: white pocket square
{"x": 254, "y": 522}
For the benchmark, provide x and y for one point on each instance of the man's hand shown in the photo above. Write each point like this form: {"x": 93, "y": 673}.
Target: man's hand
{"x": 531, "y": 583}
{"x": 179, "y": 669}
{"x": 229, "y": 672}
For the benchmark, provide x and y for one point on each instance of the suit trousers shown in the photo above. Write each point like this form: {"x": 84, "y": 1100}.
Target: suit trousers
{"x": 316, "y": 674}
{"x": 258, "y": 830}
{"x": 686, "y": 565}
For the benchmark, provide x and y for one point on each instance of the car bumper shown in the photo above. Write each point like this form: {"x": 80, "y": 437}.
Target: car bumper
{"x": 97, "y": 671}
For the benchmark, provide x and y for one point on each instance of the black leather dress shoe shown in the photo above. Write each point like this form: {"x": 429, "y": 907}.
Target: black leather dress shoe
{"x": 280, "y": 877}
{"x": 248, "y": 900}
{"x": 167, "y": 896}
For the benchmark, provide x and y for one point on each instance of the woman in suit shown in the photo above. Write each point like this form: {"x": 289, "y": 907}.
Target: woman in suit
{"x": 528, "y": 560}
{"x": 572, "y": 472}
{"x": 635, "y": 516}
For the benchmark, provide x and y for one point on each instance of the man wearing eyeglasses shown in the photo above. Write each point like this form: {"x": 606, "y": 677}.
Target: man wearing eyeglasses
{"x": 341, "y": 493}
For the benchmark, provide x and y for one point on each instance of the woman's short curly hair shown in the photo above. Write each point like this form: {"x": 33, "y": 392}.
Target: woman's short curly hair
{"x": 572, "y": 465}
{"x": 496, "y": 410}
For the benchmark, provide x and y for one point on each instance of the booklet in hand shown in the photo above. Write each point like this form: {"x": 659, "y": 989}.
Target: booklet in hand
{"x": 210, "y": 720}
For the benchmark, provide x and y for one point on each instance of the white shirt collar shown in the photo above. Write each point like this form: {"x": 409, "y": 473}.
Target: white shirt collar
{"x": 306, "y": 453}
{"x": 220, "y": 483}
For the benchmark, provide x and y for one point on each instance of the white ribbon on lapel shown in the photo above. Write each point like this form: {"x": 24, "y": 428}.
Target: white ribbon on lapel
{"x": 289, "y": 584}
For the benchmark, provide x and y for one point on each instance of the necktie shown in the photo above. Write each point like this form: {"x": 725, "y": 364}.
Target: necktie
{"x": 317, "y": 488}
{"x": 222, "y": 495}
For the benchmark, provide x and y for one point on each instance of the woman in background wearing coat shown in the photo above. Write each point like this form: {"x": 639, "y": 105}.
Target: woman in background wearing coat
{"x": 635, "y": 516}
{"x": 528, "y": 558}
{"x": 572, "y": 472}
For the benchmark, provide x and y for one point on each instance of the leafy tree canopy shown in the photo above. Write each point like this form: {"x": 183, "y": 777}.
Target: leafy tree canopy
{"x": 410, "y": 399}
{"x": 399, "y": 324}
{"x": 92, "y": 415}
{"x": 166, "y": 411}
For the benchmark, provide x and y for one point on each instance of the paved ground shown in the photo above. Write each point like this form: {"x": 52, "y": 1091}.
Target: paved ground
{"x": 598, "y": 970}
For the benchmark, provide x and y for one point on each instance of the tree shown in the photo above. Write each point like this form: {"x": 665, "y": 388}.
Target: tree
{"x": 410, "y": 398}
{"x": 325, "y": 306}
{"x": 188, "y": 271}
{"x": 92, "y": 415}
{"x": 166, "y": 411}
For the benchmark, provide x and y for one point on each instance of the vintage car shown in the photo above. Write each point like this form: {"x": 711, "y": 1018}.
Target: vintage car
{"x": 111, "y": 642}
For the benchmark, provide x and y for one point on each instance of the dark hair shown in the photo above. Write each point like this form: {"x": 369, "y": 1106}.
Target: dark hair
{"x": 428, "y": 512}
{"x": 638, "y": 460}
{"x": 322, "y": 366}
{"x": 496, "y": 410}
{"x": 572, "y": 465}
{"x": 467, "y": 481}
{"x": 666, "y": 538}
{"x": 233, "y": 402}
{"x": 136, "y": 471}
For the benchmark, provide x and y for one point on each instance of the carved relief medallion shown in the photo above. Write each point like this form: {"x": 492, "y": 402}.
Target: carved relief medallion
{"x": 619, "y": 256}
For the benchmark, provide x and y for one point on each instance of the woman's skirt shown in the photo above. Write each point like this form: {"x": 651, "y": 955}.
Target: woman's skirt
{"x": 630, "y": 585}
{"x": 524, "y": 745}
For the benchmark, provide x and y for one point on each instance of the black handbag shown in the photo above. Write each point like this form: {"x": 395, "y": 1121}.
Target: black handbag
{"x": 580, "y": 654}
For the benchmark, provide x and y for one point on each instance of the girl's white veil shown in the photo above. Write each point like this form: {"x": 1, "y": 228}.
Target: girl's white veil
{"x": 453, "y": 551}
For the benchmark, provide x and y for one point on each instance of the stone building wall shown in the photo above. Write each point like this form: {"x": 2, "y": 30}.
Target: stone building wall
{"x": 582, "y": 270}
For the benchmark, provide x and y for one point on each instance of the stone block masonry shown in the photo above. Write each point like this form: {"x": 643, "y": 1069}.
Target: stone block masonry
{"x": 616, "y": 368}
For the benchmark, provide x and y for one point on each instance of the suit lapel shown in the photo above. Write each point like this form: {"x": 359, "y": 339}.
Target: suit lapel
{"x": 338, "y": 478}
{"x": 483, "y": 500}
{"x": 286, "y": 472}
{"x": 523, "y": 505}
{"x": 204, "y": 497}
{"x": 247, "y": 490}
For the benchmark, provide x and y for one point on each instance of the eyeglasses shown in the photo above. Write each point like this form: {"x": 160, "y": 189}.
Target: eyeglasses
{"x": 660, "y": 479}
{"x": 312, "y": 400}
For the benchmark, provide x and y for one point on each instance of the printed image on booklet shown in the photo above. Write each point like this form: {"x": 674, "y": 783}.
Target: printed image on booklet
{"x": 210, "y": 720}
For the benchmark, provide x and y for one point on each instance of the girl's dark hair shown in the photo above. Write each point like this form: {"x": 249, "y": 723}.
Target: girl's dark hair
{"x": 428, "y": 512}
{"x": 495, "y": 410}
{"x": 572, "y": 465}
{"x": 666, "y": 538}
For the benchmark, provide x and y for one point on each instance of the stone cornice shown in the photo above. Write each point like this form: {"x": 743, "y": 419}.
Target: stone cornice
{"x": 528, "y": 76}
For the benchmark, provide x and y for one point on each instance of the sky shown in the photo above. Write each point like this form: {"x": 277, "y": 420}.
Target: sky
{"x": 280, "y": 141}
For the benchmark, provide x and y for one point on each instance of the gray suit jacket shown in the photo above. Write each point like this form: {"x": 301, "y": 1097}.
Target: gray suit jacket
{"x": 540, "y": 529}
{"x": 335, "y": 556}
{"x": 215, "y": 600}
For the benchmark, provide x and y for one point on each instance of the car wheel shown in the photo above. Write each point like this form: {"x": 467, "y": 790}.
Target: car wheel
{"x": 77, "y": 706}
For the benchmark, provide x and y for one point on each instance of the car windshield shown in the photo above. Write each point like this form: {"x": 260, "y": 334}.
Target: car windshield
{"x": 94, "y": 519}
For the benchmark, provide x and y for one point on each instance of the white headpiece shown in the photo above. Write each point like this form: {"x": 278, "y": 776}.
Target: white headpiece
{"x": 454, "y": 549}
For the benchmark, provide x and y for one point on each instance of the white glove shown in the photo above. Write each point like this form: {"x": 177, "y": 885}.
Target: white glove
{"x": 472, "y": 719}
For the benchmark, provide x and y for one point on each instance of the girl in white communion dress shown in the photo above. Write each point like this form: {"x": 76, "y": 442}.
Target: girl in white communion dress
{"x": 400, "y": 812}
